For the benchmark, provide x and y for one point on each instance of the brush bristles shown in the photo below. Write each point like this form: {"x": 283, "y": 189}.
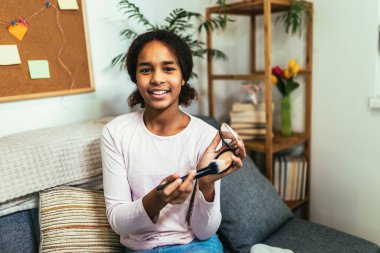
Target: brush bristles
{"x": 217, "y": 166}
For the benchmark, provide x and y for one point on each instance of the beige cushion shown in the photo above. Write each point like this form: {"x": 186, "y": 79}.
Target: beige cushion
{"x": 74, "y": 220}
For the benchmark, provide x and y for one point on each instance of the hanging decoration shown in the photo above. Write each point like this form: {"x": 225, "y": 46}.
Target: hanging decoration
{"x": 19, "y": 29}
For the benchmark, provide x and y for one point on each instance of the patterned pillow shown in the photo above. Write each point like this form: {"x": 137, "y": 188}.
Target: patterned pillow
{"x": 74, "y": 220}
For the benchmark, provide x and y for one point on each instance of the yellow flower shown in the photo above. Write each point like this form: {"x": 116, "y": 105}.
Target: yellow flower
{"x": 292, "y": 63}
{"x": 295, "y": 69}
{"x": 287, "y": 73}
{"x": 274, "y": 79}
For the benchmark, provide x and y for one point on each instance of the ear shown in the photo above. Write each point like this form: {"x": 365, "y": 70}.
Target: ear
{"x": 183, "y": 82}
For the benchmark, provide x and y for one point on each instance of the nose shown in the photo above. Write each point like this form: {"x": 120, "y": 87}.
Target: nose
{"x": 157, "y": 77}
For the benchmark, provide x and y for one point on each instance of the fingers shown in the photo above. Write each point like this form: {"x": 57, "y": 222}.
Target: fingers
{"x": 241, "y": 148}
{"x": 176, "y": 181}
{"x": 178, "y": 191}
{"x": 237, "y": 160}
{"x": 186, "y": 186}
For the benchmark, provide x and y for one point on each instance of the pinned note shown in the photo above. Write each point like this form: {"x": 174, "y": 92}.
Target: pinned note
{"x": 18, "y": 30}
{"x": 39, "y": 69}
{"x": 68, "y": 4}
{"x": 9, "y": 55}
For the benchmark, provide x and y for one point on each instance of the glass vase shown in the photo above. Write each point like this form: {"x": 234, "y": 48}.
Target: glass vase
{"x": 286, "y": 119}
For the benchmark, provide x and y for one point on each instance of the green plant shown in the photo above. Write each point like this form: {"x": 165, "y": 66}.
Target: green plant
{"x": 293, "y": 19}
{"x": 179, "y": 22}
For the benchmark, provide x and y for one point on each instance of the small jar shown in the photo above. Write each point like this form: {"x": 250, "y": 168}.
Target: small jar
{"x": 251, "y": 92}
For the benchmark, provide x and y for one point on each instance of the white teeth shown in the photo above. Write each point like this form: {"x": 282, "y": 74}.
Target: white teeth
{"x": 158, "y": 92}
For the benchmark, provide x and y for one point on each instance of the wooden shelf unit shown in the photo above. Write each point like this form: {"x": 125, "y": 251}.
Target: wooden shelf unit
{"x": 271, "y": 145}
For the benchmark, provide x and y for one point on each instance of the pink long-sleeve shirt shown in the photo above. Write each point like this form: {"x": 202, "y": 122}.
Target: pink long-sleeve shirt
{"x": 134, "y": 162}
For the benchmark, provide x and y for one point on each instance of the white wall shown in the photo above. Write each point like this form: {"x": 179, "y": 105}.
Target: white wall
{"x": 345, "y": 177}
{"x": 345, "y": 141}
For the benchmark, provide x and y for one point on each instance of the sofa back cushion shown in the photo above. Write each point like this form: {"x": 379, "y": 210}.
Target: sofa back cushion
{"x": 36, "y": 160}
{"x": 251, "y": 208}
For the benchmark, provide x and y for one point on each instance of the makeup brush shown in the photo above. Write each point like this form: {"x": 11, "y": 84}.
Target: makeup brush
{"x": 215, "y": 167}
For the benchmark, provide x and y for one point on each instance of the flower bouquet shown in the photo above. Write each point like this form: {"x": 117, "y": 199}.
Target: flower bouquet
{"x": 284, "y": 81}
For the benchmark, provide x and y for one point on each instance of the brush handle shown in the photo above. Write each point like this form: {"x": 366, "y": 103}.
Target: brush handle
{"x": 200, "y": 173}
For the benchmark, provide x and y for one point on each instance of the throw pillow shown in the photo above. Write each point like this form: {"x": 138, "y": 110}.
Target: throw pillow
{"x": 74, "y": 220}
{"x": 251, "y": 208}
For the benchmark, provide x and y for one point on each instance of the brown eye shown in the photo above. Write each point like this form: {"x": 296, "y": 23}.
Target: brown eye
{"x": 169, "y": 69}
{"x": 144, "y": 71}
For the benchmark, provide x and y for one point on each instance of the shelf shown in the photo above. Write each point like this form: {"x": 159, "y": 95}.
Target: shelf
{"x": 257, "y": 10}
{"x": 239, "y": 77}
{"x": 259, "y": 76}
{"x": 255, "y": 7}
{"x": 295, "y": 204}
{"x": 279, "y": 142}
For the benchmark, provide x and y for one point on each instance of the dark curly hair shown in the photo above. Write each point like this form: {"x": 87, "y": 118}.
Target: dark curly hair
{"x": 178, "y": 47}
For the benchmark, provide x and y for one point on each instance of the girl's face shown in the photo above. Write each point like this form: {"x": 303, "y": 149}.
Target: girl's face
{"x": 159, "y": 77}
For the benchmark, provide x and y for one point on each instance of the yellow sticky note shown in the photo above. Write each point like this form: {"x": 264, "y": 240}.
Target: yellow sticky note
{"x": 9, "y": 55}
{"x": 39, "y": 69}
{"x": 18, "y": 30}
{"x": 68, "y": 4}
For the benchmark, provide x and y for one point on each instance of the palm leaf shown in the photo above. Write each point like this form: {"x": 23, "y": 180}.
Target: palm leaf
{"x": 214, "y": 53}
{"x": 128, "y": 34}
{"x": 134, "y": 12}
{"x": 119, "y": 60}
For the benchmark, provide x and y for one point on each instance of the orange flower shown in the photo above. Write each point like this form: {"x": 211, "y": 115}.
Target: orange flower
{"x": 287, "y": 73}
{"x": 274, "y": 79}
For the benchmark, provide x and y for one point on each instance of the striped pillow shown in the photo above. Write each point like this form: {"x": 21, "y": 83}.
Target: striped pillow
{"x": 73, "y": 220}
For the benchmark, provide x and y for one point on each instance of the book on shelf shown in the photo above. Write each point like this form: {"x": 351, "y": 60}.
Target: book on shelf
{"x": 247, "y": 125}
{"x": 253, "y": 137}
{"x": 247, "y": 117}
{"x": 289, "y": 177}
{"x": 248, "y": 113}
{"x": 251, "y": 131}
{"x": 249, "y": 121}
{"x": 237, "y": 107}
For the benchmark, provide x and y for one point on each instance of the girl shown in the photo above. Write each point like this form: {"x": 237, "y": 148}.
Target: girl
{"x": 144, "y": 149}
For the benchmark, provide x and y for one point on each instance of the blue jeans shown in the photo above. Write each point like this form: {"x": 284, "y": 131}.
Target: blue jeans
{"x": 212, "y": 245}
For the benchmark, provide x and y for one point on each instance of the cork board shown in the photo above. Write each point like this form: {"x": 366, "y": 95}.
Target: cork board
{"x": 58, "y": 36}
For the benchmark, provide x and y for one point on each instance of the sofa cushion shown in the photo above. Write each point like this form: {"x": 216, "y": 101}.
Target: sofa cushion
{"x": 251, "y": 208}
{"x": 74, "y": 220}
{"x": 304, "y": 236}
{"x": 18, "y": 233}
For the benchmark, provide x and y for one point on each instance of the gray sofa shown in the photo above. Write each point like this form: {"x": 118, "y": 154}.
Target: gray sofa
{"x": 252, "y": 213}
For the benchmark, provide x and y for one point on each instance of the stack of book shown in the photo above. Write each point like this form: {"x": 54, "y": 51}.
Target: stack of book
{"x": 290, "y": 173}
{"x": 248, "y": 120}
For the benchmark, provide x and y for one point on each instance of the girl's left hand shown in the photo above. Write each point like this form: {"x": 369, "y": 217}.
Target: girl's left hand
{"x": 210, "y": 154}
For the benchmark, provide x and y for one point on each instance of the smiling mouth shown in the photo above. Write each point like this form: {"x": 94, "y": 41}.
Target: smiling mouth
{"x": 158, "y": 92}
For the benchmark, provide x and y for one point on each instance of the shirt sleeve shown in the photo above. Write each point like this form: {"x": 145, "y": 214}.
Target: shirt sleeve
{"x": 124, "y": 215}
{"x": 206, "y": 216}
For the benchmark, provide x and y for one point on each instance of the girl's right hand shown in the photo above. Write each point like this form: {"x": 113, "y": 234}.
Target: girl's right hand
{"x": 177, "y": 192}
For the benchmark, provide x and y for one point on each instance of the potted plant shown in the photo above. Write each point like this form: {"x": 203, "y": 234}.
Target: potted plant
{"x": 180, "y": 22}
{"x": 284, "y": 81}
{"x": 293, "y": 19}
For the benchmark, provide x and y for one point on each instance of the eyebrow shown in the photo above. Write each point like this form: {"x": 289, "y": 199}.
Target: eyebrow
{"x": 149, "y": 64}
